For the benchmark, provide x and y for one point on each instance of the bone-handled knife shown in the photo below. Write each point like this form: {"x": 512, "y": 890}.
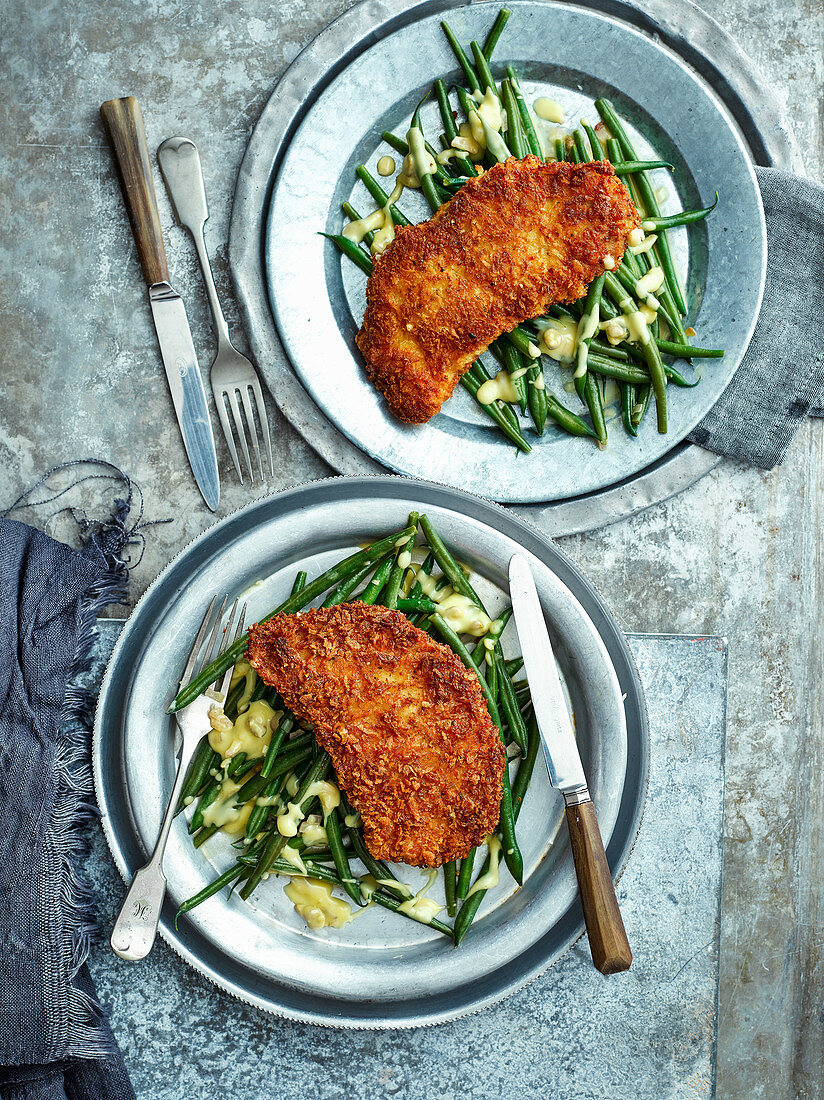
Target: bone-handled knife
{"x": 607, "y": 938}
{"x": 123, "y": 122}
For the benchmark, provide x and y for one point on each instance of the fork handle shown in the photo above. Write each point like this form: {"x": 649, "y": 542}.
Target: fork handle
{"x": 135, "y": 929}
{"x": 123, "y": 122}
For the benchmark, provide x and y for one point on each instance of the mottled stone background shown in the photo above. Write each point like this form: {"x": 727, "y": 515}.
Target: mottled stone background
{"x": 736, "y": 555}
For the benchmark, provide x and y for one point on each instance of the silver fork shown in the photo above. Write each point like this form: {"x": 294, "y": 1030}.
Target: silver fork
{"x": 233, "y": 375}
{"x": 135, "y": 929}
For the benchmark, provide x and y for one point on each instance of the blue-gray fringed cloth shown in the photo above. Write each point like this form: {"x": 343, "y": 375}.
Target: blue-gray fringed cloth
{"x": 781, "y": 378}
{"x": 55, "y": 1042}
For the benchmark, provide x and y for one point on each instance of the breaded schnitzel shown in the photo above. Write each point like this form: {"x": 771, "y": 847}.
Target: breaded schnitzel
{"x": 405, "y": 723}
{"x": 509, "y": 244}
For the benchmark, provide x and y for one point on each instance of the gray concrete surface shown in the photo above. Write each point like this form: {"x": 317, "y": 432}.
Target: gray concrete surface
{"x": 739, "y": 554}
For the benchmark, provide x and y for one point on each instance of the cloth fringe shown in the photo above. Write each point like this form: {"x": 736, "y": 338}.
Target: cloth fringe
{"x": 74, "y": 808}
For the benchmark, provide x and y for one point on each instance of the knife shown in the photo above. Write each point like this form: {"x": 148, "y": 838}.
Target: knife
{"x": 123, "y": 122}
{"x": 607, "y": 938}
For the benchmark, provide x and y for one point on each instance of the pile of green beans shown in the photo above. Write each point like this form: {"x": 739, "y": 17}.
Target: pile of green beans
{"x": 293, "y": 760}
{"x": 647, "y": 382}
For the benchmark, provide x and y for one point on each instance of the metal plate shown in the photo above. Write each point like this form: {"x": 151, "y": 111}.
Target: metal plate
{"x": 679, "y": 24}
{"x": 379, "y": 971}
{"x": 318, "y": 297}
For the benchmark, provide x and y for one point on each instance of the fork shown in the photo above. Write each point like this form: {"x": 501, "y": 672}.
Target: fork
{"x": 232, "y": 375}
{"x": 135, "y": 929}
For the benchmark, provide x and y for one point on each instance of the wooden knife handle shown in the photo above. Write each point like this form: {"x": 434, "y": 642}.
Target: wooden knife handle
{"x": 607, "y": 938}
{"x": 123, "y": 122}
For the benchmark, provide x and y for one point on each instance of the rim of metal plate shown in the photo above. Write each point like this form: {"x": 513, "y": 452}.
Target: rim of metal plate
{"x": 182, "y": 580}
{"x": 678, "y": 24}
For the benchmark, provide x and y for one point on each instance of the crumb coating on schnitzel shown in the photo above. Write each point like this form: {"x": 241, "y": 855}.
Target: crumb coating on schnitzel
{"x": 511, "y": 243}
{"x": 405, "y": 724}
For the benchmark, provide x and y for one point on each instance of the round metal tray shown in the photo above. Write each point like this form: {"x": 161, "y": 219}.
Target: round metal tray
{"x": 379, "y": 971}
{"x": 678, "y": 24}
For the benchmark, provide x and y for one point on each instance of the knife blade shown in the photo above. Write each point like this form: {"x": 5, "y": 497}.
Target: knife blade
{"x": 123, "y": 122}
{"x": 608, "y": 941}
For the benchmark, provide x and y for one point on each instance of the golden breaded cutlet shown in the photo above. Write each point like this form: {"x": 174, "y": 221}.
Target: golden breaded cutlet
{"x": 404, "y": 722}
{"x": 512, "y": 242}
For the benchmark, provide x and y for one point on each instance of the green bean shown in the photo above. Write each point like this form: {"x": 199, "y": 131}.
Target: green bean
{"x": 687, "y": 351}
{"x": 647, "y": 193}
{"x": 449, "y": 567}
{"x": 495, "y": 31}
{"x": 290, "y": 759}
{"x": 594, "y": 143}
{"x": 509, "y": 704}
{"x": 495, "y": 411}
{"x": 686, "y": 217}
{"x": 483, "y": 70}
{"x": 235, "y": 764}
{"x": 532, "y": 139}
{"x": 450, "y": 884}
{"x": 410, "y": 606}
{"x": 326, "y": 580}
{"x": 393, "y": 585}
{"x": 451, "y": 128}
{"x": 465, "y": 874}
{"x": 257, "y": 817}
{"x": 203, "y": 834}
{"x": 514, "y": 666}
{"x": 639, "y": 410}
{"x": 631, "y": 167}
{"x": 209, "y": 795}
{"x": 527, "y": 765}
{"x": 350, "y": 250}
{"x": 536, "y": 395}
{"x": 376, "y": 585}
{"x": 511, "y": 360}
{"x": 591, "y": 396}
{"x": 425, "y": 570}
{"x": 379, "y": 195}
{"x": 515, "y": 136}
{"x": 580, "y": 148}
{"x": 523, "y": 341}
{"x": 479, "y": 374}
{"x": 628, "y": 399}
{"x": 275, "y": 743}
{"x": 225, "y": 879}
{"x": 339, "y": 854}
{"x": 649, "y": 350}
{"x": 204, "y": 759}
{"x": 463, "y": 60}
{"x": 345, "y": 589}
{"x": 426, "y": 180}
{"x": 353, "y": 215}
{"x": 299, "y": 582}
{"x": 560, "y": 150}
{"x": 566, "y": 419}
{"x": 512, "y": 853}
{"x": 613, "y": 368}
{"x": 275, "y": 842}
{"x": 401, "y": 146}
{"x": 376, "y": 868}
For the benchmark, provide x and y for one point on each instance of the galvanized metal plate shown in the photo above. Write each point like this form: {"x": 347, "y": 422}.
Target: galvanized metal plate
{"x": 571, "y": 55}
{"x": 680, "y": 24}
{"x": 380, "y": 970}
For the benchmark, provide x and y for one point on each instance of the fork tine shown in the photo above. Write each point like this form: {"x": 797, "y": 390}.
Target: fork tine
{"x": 250, "y": 418}
{"x": 241, "y": 434}
{"x": 264, "y": 423}
{"x": 198, "y": 642}
{"x": 227, "y": 430}
{"x": 227, "y": 677}
{"x": 210, "y": 647}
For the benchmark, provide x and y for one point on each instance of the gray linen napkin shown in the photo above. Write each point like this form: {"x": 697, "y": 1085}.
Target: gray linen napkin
{"x": 55, "y": 1042}
{"x": 781, "y": 378}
